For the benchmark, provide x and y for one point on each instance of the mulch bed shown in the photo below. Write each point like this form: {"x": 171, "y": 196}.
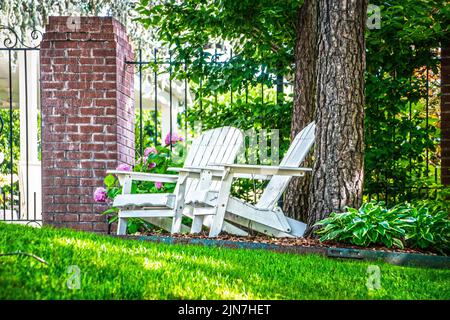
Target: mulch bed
{"x": 285, "y": 242}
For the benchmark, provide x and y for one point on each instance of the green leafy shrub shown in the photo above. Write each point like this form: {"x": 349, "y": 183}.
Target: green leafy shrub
{"x": 399, "y": 226}
{"x": 439, "y": 202}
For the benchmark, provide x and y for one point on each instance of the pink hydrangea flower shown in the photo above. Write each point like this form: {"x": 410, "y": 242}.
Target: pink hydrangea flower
{"x": 100, "y": 194}
{"x": 173, "y": 139}
{"x": 158, "y": 185}
{"x": 123, "y": 167}
{"x": 149, "y": 150}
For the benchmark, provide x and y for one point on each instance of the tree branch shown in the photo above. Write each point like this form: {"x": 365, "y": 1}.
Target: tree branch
{"x": 24, "y": 254}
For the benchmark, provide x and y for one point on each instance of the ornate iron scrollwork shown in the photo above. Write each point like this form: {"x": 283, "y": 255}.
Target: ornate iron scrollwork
{"x": 13, "y": 40}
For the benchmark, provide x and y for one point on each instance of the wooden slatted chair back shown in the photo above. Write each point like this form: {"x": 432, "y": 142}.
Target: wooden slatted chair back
{"x": 220, "y": 145}
{"x": 293, "y": 158}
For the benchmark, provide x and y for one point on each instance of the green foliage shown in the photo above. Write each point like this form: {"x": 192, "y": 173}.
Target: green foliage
{"x": 162, "y": 161}
{"x": 398, "y": 138}
{"x": 252, "y": 112}
{"x": 114, "y": 268}
{"x": 403, "y": 224}
{"x": 148, "y": 129}
{"x": 440, "y": 201}
{"x": 8, "y": 168}
{"x": 6, "y": 142}
{"x": 157, "y": 161}
{"x": 262, "y": 32}
{"x": 247, "y": 109}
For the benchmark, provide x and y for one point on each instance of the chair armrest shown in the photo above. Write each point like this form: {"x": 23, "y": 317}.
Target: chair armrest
{"x": 195, "y": 172}
{"x": 265, "y": 170}
{"x": 217, "y": 172}
{"x": 214, "y": 170}
{"x": 187, "y": 170}
{"x": 144, "y": 176}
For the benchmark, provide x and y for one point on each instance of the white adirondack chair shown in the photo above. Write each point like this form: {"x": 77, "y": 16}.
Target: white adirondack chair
{"x": 165, "y": 209}
{"x": 264, "y": 217}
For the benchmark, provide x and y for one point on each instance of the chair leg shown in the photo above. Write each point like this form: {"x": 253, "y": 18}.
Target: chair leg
{"x": 197, "y": 223}
{"x": 176, "y": 223}
{"x": 177, "y": 218}
{"x": 179, "y": 207}
{"x": 122, "y": 227}
{"x": 222, "y": 202}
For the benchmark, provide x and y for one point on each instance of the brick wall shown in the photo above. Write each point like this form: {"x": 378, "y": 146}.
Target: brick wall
{"x": 87, "y": 116}
{"x": 445, "y": 115}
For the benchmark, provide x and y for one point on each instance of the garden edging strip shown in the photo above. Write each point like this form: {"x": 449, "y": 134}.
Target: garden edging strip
{"x": 395, "y": 258}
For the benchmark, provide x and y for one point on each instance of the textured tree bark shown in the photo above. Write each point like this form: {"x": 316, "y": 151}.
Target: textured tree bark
{"x": 297, "y": 194}
{"x": 337, "y": 179}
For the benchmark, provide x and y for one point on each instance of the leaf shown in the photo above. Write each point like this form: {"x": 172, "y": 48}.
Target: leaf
{"x": 132, "y": 227}
{"x": 358, "y": 233}
{"x": 384, "y": 224}
{"x": 113, "y": 219}
{"x": 109, "y": 180}
{"x": 352, "y": 210}
{"x": 112, "y": 210}
{"x": 113, "y": 192}
{"x": 381, "y": 230}
{"x": 387, "y": 241}
{"x": 373, "y": 236}
{"x": 334, "y": 234}
{"x": 428, "y": 236}
{"x": 398, "y": 243}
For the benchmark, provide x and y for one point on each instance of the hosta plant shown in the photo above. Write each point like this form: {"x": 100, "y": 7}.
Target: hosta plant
{"x": 399, "y": 226}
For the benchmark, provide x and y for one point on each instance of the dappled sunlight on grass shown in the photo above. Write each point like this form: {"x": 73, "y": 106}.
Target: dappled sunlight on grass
{"x": 226, "y": 293}
{"x": 204, "y": 269}
{"x": 138, "y": 249}
{"x": 112, "y": 268}
{"x": 152, "y": 264}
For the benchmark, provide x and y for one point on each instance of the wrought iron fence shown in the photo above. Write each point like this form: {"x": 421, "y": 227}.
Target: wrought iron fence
{"x": 19, "y": 129}
{"x": 386, "y": 188}
{"x": 150, "y": 125}
{"x": 422, "y": 170}
{"x": 168, "y": 108}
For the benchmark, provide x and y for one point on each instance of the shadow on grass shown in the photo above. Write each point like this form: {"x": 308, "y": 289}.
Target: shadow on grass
{"x": 114, "y": 268}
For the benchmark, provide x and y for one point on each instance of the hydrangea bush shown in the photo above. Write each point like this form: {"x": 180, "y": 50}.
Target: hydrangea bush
{"x": 154, "y": 160}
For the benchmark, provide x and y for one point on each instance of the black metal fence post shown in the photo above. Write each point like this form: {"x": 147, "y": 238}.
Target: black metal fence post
{"x": 13, "y": 202}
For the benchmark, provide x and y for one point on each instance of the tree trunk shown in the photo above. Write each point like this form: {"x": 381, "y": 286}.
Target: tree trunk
{"x": 337, "y": 178}
{"x": 296, "y": 196}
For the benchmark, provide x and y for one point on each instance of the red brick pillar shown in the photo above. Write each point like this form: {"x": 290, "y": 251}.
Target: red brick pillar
{"x": 87, "y": 116}
{"x": 445, "y": 115}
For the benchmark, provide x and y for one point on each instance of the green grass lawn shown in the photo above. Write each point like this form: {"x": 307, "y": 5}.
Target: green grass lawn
{"x": 113, "y": 268}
